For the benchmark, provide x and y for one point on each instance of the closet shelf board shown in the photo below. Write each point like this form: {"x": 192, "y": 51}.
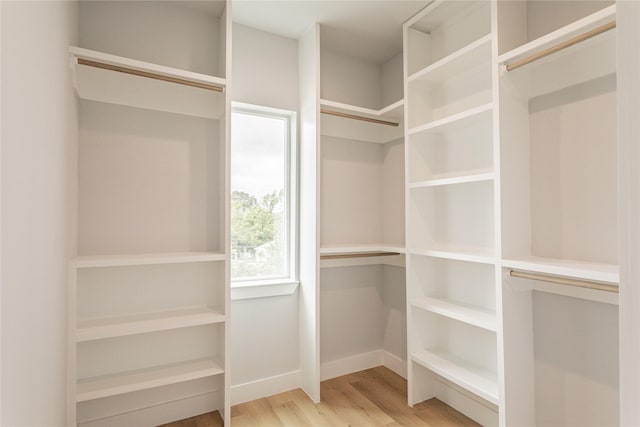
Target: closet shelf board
{"x": 108, "y": 327}
{"x": 456, "y": 121}
{"x": 484, "y": 319}
{"x": 112, "y": 385}
{"x": 461, "y": 60}
{"x": 114, "y": 87}
{"x": 608, "y": 273}
{"x": 452, "y": 179}
{"x": 341, "y": 127}
{"x": 582, "y": 62}
{"x": 354, "y": 249}
{"x": 145, "y": 259}
{"x": 477, "y": 380}
{"x": 471, "y": 255}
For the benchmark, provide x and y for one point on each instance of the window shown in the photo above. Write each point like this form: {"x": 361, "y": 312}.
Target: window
{"x": 262, "y": 195}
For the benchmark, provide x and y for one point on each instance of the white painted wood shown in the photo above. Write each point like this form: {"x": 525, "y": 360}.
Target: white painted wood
{"x": 347, "y": 249}
{"x": 269, "y": 386}
{"x": 453, "y": 179}
{"x": 100, "y": 387}
{"x": 309, "y": 69}
{"x": 459, "y": 254}
{"x": 95, "y": 329}
{"x": 628, "y": 105}
{"x": 455, "y": 121}
{"x": 471, "y": 315}
{"x": 350, "y": 364}
{"x": 568, "y": 268}
{"x": 468, "y": 57}
{"x": 469, "y": 377}
{"x": 114, "y": 87}
{"x": 93, "y": 261}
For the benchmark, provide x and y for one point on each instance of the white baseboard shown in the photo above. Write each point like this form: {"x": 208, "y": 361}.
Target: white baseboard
{"x": 465, "y": 402}
{"x": 265, "y": 387}
{"x": 396, "y": 364}
{"x": 161, "y": 414}
{"x": 360, "y": 362}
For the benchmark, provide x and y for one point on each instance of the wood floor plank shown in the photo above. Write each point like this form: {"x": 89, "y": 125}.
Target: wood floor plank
{"x": 374, "y": 397}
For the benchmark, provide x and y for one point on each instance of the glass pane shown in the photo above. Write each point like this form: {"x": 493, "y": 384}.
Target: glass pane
{"x": 259, "y": 238}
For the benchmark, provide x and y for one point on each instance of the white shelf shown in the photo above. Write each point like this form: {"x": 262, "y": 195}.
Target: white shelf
{"x": 607, "y": 273}
{"x": 459, "y": 254}
{"x": 95, "y": 329}
{"x": 452, "y": 179}
{"x": 145, "y": 259}
{"x": 350, "y": 249}
{"x": 582, "y": 62}
{"x": 461, "y": 60}
{"x": 484, "y": 319}
{"x": 479, "y": 381}
{"x": 112, "y": 385}
{"x": 341, "y": 127}
{"x": 456, "y": 121}
{"x": 113, "y": 87}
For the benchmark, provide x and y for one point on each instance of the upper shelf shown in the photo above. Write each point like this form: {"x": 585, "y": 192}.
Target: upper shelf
{"x": 363, "y": 124}
{"x": 607, "y": 273}
{"x": 578, "y": 62}
{"x": 117, "y": 80}
{"x": 93, "y": 261}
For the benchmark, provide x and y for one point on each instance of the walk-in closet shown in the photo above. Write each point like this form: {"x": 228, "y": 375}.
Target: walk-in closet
{"x": 450, "y": 235}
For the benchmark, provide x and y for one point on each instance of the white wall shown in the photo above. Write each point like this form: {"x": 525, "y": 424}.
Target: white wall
{"x": 264, "y": 331}
{"x": 38, "y": 148}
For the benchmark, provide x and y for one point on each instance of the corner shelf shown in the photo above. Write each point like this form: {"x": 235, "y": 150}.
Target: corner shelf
{"x": 109, "y": 327}
{"x": 113, "y": 385}
{"x": 348, "y": 128}
{"x": 368, "y": 254}
{"x": 480, "y": 318}
{"x": 477, "y": 380}
{"x": 93, "y": 261}
{"x": 116, "y": 87}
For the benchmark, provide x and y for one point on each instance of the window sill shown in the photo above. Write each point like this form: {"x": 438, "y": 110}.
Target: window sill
{"x": 262, "y": 289}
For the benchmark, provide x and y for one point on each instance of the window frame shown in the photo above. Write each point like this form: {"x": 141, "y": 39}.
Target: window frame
{"x": 244, "y": 288}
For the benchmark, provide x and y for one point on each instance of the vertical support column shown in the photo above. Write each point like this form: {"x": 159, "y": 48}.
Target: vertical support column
{"x": 628, "y": 65}
{"x": 309, "y": 71}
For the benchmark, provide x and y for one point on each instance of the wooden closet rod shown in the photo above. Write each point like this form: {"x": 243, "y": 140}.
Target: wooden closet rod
{"x": 565, "y": 44}
{"x": 564, "y": 281}
{"x": 358, "y": 255}
{"x": 362, "y": 118}
{"x": 149, "y": 75}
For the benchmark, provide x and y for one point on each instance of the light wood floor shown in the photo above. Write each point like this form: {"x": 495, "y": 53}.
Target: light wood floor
{"x": 375, "y": 397}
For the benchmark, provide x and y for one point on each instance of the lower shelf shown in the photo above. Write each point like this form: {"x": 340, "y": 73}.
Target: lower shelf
{"x": 477, "y": 380}
{"x": 472, "y": 315}
{"x": 143, "y": 379}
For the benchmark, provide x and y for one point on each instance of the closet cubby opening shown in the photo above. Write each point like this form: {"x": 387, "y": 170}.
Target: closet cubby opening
{"x": 456, "y": 152}
{"x": 148, "y": 181}
{"x": 452, "y": 218}
{"x": 185, "y": 35}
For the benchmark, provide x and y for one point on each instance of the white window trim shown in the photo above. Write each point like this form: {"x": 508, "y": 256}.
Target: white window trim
{"x": 260, "y": 288}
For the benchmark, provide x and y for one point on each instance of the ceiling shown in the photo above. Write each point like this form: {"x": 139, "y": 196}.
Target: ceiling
{"x": 368, "y": 29}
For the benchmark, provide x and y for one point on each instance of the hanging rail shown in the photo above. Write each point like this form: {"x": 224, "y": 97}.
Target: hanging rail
{"x": 565, "y": 44}
{"x": 564, "y": 281}
{"x": 149, "y": 75}
{"x": 355, "y": 117}
{"x": 358, "y": 255}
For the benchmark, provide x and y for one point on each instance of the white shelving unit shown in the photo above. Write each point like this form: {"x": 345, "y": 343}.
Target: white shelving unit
{"x": 559, "y": 209}
{"x": 452, "y": 303}
{"x": 149, "y": 287}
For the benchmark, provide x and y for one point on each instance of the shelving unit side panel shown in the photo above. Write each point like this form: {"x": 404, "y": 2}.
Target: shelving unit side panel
{"x": 148, "y": 181}
{"x": 169, "y": 33}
